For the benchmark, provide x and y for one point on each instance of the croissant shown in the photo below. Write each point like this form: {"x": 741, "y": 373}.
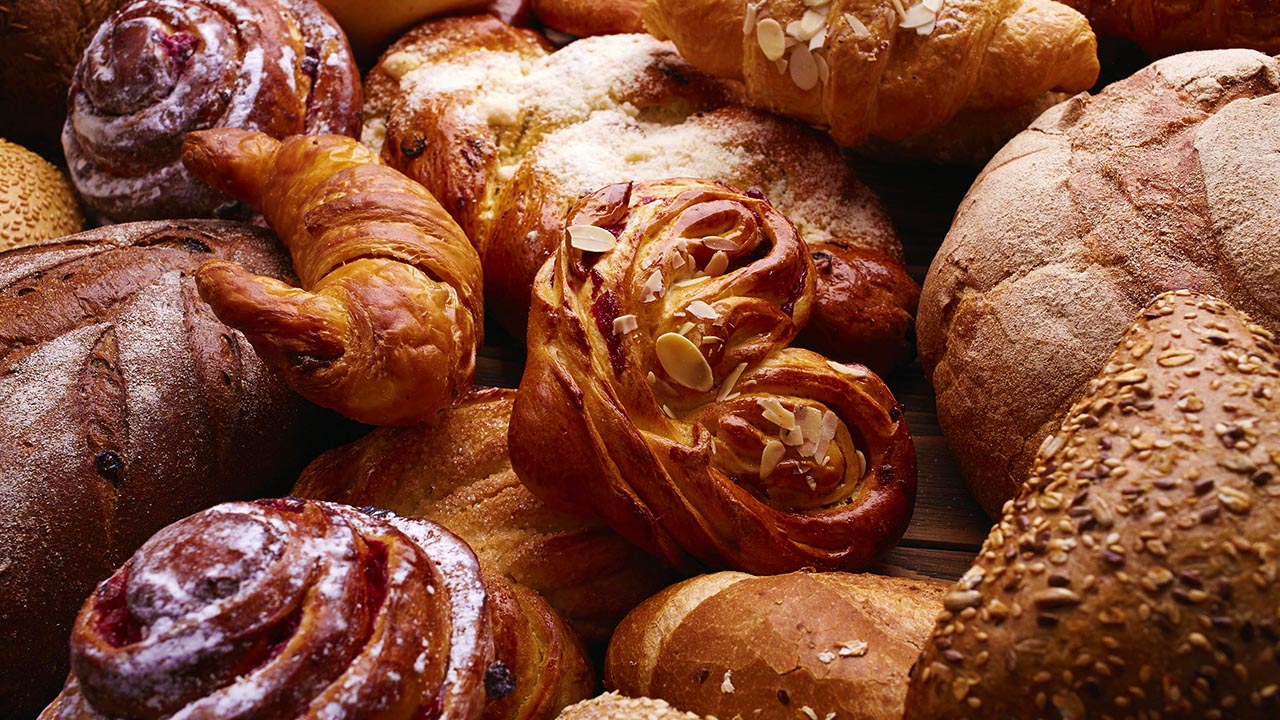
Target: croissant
{"x": 385, "y": 326}
{"x": 291, "y": 608}
{"x": 1165, "y": 28}
{"x": 660, "y": 393}
{"x": 456, "y": 472}
{"x": 881, "y": 68}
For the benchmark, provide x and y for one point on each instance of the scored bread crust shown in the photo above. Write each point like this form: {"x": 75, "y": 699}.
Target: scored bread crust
{"x": 732, "y": 644}
{"x": 509, "y": 136}
{"x": 1134, "y": 576}
{"x": 1160, "y": 182}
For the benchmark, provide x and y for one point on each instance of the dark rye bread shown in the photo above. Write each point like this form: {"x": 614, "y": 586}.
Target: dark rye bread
{"x": 1164, "y": 181}
{"x": 1135, "y": 576}
{"x": 124, "y": 406}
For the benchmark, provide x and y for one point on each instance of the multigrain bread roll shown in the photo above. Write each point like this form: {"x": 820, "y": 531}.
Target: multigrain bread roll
{"x": 36, "y": 201}
{"x": 124, "y": 405}
{"x": 1160, "y": 182}
{"x": 803, "y": 645}
{"x": 509, "y": 137}
{"x": 1165, "y": 28}
{"x": 300, "y": 609}
{"x": 1134, "y": 576}
{"x": 612, "y": 706}
{"x": 457, "y": 473}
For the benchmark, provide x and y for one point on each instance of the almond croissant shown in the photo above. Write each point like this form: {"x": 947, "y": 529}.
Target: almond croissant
{"x": 385, "y": 326}
{"x": 660, "y": 393}
{"x": 890, "y": 69}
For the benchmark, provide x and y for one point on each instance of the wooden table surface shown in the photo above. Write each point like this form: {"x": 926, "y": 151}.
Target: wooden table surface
{"x": 948, "y": 525}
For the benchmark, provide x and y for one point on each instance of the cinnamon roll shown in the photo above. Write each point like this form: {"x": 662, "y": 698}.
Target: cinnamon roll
{"x": 291, "y": 608}
{"x": 660, "y": 393}
{"x": 157, "y": 70}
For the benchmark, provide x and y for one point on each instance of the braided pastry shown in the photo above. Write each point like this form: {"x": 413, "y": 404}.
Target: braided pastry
{"x": 290, "y": 608}
{"x": 660, "y": 393}
{"x": 156, "y": 70}
{"x": 1164, "y": 28}
{"x": 509, "y": 137}
{"x": 386, "y": 324}
{"x": 888, "y": 69}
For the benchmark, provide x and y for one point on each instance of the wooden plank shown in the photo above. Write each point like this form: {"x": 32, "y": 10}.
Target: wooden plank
{"x": 919, "y": 563}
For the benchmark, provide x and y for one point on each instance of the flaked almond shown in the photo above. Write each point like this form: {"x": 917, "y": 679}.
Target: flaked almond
{"x": 753, "y": 14}
{"x": 590, "y": 238}
{"x": 811, "y": 23}
{"x": 653, "y": 287}
{"x": 772, "y": 41}
{"x": 624, "y": 324}
{"x": 772, "y": 455}
{"x": 773, "y": 411}
{"x": 717, "y": 264}
{"x": 727, "y": 386}
{"x": 804, "y": 69}
{"x": 818, "y": 41}
{"x": 700, "y": 309}
{"x": 719, "y": 242}
{"x": 917, "y": 16}
{"x": 856, "y": 371}
{"x": 859, "y": 464}
{"x": 792, "y": 436}
{"x": 830, "y": 421}
{"x": 683, "y": 362}
{"x": 860, "y": 30}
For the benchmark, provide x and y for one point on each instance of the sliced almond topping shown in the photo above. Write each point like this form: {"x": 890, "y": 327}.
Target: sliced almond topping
{"x": 811, "y": 23}
{"x": 772, "y": 455}
{"x": 933, "y": 5}
{"x": 824, "y": 70}
{"x": 792, "y": 436}
{"x": 804, "y": 69}
{"x": 927, "y": 28}
{"x": 653, "y": 287}
{"x": 717, "y": 264}
{"x": 678, "y": 261}
{"x": 590, "y": 238}
{"x": 624, "y": 324}
{"x": 829, "y": 422}
{"x": 781, "y": 64}
{"x": 860, "y": 464}
{"x": 902, "y": 12}
{"x": 685, "y": 328}
{"x": 810, "y": 419}
{"x": 718, "y": 242}
{"x": 700, "y": 309}
{"x": 860, "y": 31}
{"x": 917, "y": 16}
{"x": 817, "y": 3}
{"x": 851, "y": 370}
{"x": 818, "y": 40}
{"x": 775, "y": 413}
{"x": 769, "y": 35}
{"x": 667, "y": 411}
{"x": 753, "y": 13}
{"x": 684, "y": 362}
{"x": 729, "y": 382}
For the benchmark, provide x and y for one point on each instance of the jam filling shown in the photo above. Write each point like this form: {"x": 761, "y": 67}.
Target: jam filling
{"x": 114, "y": 622}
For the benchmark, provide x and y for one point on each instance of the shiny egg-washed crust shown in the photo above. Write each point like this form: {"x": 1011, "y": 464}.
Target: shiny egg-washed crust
{"x": 124, "y": 405}
{"x": 457, "y": 473}
{"x": 37, "y": 203}
{"x": 1135, "y": 574}
{"x": 1162, "y": 181}
{"x": 1163, "y": 28}
{"x": 385, "y": 325}
{"x": 612, "y": 706}
{"x": 509, "y": 136}
{"x": 158, "y": 70}
{"x": 301, "y": 609}
{"x": 735, "y": 645}
{"x": 654, "y": 369}
{"x": 591, "y": 17}
{"x": 884, "y": 80}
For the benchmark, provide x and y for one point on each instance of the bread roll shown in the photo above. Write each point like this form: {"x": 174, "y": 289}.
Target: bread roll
{"x": 36, "y": 201}
{"x": 1164, "y": 28}
{"x": 1134, "y": 576}
{"x": 372, "y": 26}
{"x": 591, "y": 17}
{"x": 803, "y": 645}
{"x": 457, "y": 473}
{"x": 124, "y": 405}
{"x": 1160, "y": 182}
{"x": 612, "y": 706}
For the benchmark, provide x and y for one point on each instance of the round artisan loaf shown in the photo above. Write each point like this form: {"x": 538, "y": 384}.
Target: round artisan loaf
{"x": 814, "y": 645}
{"x": 1163, "y": 181}
{"x": 36, "y": 202}
{"x": 124, "y": 405}
{"x": 40, "y": 43}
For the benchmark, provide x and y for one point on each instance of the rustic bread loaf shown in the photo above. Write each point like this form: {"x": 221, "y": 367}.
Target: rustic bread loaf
{"x": 1163, "y": 181}
{"x": 124, "y": 405}
{"x": 802, "y": 645}
{"x": 1135, "y": 575}
{"x": 1163, "y": 28}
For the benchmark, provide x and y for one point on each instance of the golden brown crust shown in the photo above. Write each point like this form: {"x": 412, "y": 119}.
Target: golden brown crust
{"x": 385, "y": 326}
{"x": 1165, "y": 28}
{"x": 612, "y": 706}
{"x": 661, "y": 395}
{"x": 124, "y": 405}
{"x": 36, "y": 201}
{"x": 510, "y": 137}
{"x": 591, "y": 17}
{"x": 857, "y": 71}
{"x": 1134, "y": 574}
{"x": 458, "y": 473}
{"x": 798, "y": 645}
{"x": 1155, "y": 184}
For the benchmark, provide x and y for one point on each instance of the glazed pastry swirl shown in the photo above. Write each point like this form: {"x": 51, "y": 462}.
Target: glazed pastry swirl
{"x": 660, "y": 391}
{"x": 292, "y": 608}
{"x": 159, "y": 69}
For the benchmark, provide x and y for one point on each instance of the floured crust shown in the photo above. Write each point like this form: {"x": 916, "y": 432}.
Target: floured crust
{"x": 1160, "y": 182}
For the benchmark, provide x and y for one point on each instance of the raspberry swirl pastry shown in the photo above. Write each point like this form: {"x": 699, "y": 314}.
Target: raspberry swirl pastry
{"x": 661, "y": 395}
{"x": 291, "y": 608}
{"x": 157, "y": 70}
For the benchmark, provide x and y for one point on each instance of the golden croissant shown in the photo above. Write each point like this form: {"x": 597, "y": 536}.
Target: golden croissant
{"x": 661, "y": 396}
{"x": 385, "y": 325}
{"x": 890, "y": 69}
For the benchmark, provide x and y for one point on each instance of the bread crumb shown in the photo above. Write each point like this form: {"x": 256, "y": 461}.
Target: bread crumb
{"x": 726, "y": 686}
